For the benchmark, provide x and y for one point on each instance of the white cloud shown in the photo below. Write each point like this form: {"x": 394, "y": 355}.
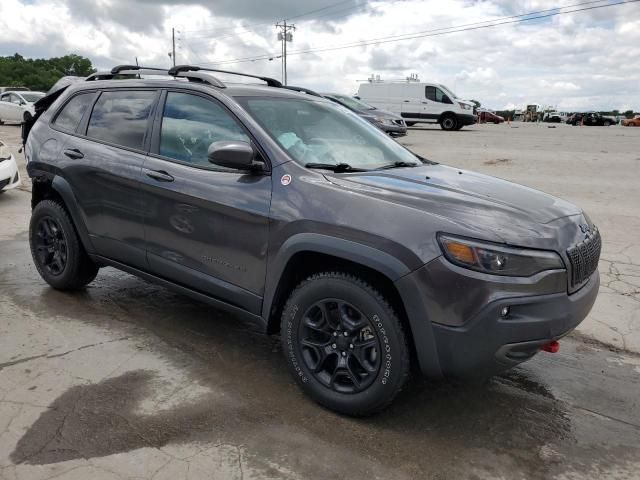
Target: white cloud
{"x": 586, "y": 60}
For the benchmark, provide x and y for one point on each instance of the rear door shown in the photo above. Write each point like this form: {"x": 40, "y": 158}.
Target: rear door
{"x": 206, "y": 226}
{"x": 104, "y": 166}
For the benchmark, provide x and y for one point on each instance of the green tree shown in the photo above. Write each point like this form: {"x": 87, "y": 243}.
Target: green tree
{"x": 476, "y": 102}
{"x": 41, "y": 73}
{"x": 628, "y": 114}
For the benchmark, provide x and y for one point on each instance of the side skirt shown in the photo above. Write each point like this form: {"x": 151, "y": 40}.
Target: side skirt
{"x": 214, "y": 302}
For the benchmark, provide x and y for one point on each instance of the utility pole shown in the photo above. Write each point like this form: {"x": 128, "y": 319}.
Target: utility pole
{"x": 173, "y": 42}
{"x": 285, "y": 36}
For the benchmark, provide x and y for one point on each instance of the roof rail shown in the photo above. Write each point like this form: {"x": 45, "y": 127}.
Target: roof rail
{"x": 301, "y": 89}
{"x": 117, "y": 69}
{"x": 190, "y": 72}
{"x": 272, "y": 82}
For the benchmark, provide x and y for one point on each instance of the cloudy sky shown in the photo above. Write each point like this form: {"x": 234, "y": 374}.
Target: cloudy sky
{"x": 583, "y": 60}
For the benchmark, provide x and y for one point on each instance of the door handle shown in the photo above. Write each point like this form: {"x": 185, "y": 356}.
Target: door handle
{"x": 160, "y": 175}
{"x": 74, "y": 153}
{"x": 406, "y": 101}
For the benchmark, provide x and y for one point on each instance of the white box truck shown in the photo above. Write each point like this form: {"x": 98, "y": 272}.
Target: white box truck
{"x": 418, "y": 102}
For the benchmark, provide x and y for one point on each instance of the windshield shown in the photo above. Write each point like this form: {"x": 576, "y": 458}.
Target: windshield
{"x": 314, "y": 131}
{"x": 352, "y": 102}
{"x": 32, "y": 96}
{"x": 448, "y": 92}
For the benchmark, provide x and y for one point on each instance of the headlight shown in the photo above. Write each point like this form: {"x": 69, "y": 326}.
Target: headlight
{"x": 380, "y": 120}
{"x": 496, "y": 259}
{"x": 464, "y": 106}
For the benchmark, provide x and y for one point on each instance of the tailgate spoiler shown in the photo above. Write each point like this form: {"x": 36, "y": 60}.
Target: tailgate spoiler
{"x": 45, "y": 102}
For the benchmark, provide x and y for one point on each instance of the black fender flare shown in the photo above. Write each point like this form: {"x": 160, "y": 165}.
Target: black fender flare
{"x": 63, "y": 188}
{"x": 382, "y": 262}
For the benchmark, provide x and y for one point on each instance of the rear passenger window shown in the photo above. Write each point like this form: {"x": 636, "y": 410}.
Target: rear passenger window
{"x": 121, "y": 117}
{"x": 191, "y": 123}
{"x": 69, "y": 117}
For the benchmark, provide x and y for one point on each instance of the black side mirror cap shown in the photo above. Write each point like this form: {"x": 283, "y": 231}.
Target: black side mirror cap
{"x": 234, "y": 154}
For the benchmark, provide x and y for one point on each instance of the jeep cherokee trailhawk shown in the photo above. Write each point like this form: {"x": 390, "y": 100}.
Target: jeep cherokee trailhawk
{"x": 283, "y": 207}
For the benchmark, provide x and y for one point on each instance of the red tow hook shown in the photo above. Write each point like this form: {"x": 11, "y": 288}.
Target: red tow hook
{"x": 551, "y": 347}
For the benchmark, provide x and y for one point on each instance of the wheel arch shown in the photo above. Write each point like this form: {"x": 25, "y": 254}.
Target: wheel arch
{"x": 447, "y": 113}
{"x": 58, "y": 189}
{"x": 305, "y": 254}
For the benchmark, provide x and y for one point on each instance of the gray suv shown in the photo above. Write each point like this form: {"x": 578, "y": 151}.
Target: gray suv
{"x": 286, "y": 209}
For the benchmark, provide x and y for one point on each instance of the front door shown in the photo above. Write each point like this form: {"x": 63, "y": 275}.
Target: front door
{"x": 11, "y": 109}
{"x": 206, "y": 226}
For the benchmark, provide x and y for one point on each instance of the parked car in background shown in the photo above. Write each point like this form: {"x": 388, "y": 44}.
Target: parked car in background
{"x": 9, "y": 176}
{"x": 592, "y": 119}
{"x": 553, "y": 117}
{"x": 419, "y": 102}
{"x": 485, "y": 116}
{"x": 388, "y": 122}
{"x": 631, "y": 122}
{"x": 17, "y": 106}
{"x": 13, "y": 89}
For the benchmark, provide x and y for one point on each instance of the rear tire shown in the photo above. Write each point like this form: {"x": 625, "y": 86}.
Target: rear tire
{"x": 449, "y": 122}
{"x": 606, "y": 123}
{"x": 26, "y": 117}
{"x": 344, "y": 344}
{"x": 56, "y": 249}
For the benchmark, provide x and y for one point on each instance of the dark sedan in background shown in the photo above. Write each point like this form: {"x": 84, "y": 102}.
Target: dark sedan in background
{"x": 591, "y": 119}
{"x": 388, "y": 122}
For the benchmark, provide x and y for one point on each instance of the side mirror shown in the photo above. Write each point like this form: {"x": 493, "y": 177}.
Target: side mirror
{"x": 237, "y": 154}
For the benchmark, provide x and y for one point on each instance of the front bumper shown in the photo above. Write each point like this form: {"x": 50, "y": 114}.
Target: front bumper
{"x": 393, "y": 130}
{"x": 9, "y": 176}
{"x": 491, "y": 344}
{"x": 462, "y": 330}
{"x": 466, "y": 119}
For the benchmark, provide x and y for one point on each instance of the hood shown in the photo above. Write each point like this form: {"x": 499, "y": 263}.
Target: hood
{"x": 379, "y": 113}
{"x": 469, "y": 199}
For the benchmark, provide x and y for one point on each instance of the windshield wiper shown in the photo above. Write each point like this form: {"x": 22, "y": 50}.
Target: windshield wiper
{"x": 398, "y": 165}
{"x": 336, "y": 167}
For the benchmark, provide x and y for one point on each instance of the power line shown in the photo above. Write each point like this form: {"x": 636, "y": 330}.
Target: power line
{"x": 513, "y": 19}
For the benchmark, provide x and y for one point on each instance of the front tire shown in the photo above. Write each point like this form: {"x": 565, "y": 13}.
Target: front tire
{"x": 26, "y": 117}
{"x": 449, "y": 123}
{"x": 56, "y": 249}
{"x": 344, "y": 344}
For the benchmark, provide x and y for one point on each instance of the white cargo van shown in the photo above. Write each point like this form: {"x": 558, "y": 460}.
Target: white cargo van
{"x": 419, "y": 102}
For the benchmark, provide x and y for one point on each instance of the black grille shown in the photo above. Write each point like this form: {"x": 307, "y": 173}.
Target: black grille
{"x": 584, "y": 258}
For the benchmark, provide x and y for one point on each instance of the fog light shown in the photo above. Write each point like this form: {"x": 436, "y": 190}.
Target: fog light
{"x": 504, "y": 312}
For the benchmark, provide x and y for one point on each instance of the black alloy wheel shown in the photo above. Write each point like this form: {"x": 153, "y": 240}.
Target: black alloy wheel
{"x": 51, "y": 246}
{"x": 339, "y": 346}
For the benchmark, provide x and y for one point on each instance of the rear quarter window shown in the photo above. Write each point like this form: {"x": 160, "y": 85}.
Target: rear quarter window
{"x": 70, "y": 115}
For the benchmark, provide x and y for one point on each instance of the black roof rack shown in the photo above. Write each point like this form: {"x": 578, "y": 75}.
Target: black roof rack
{"x": 272, "y": 82}
{"x": 302, "y": 89}
{"x": 185, "y": 71}
{"x": 116, "y": 70}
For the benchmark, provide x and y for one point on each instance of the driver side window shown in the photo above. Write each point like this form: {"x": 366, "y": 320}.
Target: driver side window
{"x": 190, "y": 123}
